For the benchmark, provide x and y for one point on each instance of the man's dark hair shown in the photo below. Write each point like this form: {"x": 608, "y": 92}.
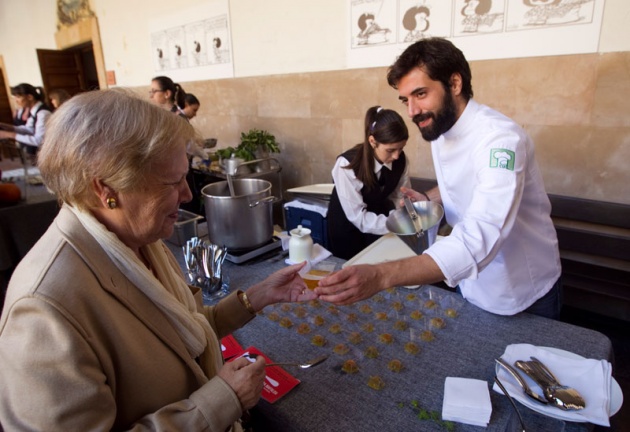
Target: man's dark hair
{"x": 439, "y": 58}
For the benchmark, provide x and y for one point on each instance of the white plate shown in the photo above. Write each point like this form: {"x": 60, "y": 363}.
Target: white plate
{"x": 616, "y": 396}
{"x": 318, "y": 189}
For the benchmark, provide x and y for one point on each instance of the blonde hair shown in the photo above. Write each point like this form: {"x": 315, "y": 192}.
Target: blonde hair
{"x": 111, "y": 135}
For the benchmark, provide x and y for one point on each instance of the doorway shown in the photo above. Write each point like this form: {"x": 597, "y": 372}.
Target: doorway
{"x": 72, "y": 69}
{"x": 6, "y": 114}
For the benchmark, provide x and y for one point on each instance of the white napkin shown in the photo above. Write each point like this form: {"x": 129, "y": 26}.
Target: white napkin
{"x": 591, "y": 378}
{"x": 467, "y": 401}
{"x": 319, "y": 254}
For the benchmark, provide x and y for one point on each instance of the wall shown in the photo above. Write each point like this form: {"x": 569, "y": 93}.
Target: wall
{"x": 294, "y": 83}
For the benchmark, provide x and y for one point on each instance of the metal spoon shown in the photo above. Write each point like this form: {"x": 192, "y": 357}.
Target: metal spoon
{"x": 306, "y": 365}
{"x": 561, "y": 396}
{"x": 526, "y": 389}
{"x": 414, "y": 216}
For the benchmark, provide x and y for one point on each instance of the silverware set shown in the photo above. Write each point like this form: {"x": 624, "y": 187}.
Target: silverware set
{"x": 558, "y": 395}
{"x": 554, "y": 393}
{"x": 204, "y": 264}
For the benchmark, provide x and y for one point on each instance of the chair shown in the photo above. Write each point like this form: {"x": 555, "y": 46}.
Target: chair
{"x": 11, "y": 149}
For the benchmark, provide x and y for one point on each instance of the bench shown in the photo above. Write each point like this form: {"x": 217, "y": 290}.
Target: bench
{"x": 594, "y": 242}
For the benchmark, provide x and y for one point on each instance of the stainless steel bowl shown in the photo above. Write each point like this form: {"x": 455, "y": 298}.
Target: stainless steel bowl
{"x": 430, "y": 214}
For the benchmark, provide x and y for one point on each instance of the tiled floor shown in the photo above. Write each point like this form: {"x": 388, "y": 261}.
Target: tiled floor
{"x": 619, "y": 334}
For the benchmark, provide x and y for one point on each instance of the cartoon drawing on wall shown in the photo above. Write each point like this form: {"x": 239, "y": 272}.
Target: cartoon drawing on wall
{"x": 216, "y": 46}
{"x": 160, "y": 56}
{"x": 416, "y": 22}
{"x": 217, "y": 38}
{"x": 372, "y": 22}
{"x": 422, "y": 19}
{"x": 194, "y": 43}
{"x": 177, "y": 47}
{"x": 195, "y": 37}
{"x": 479, "y": 16}
{"x": 371, "y": 32}
{"x": 528, "y": 14}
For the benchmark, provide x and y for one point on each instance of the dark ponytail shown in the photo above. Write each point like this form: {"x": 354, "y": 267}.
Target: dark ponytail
{"x": 387, "y": 127}
{"x": 179, "y": 95}
{"x": 25, "y": 89}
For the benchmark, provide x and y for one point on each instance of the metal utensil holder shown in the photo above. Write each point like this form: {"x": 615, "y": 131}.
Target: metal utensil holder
{"x": 204, "y": 268}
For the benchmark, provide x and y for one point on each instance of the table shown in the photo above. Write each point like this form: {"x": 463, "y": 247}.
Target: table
{"x": 327, "y": 399}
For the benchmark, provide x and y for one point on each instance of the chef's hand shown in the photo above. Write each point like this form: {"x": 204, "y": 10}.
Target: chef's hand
{"x": 285, "y": 285}
{"x": 246, "y": 377}
{"x": 350, "y": 285}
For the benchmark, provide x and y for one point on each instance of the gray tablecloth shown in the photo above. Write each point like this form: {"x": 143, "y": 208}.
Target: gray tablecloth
{"x": 327, "y": 399}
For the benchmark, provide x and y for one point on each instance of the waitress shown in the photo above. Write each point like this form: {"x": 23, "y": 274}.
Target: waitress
{"x": 29, "y": 131}
{"x": 368, "y": 178}
{"x": 168, "y": 95}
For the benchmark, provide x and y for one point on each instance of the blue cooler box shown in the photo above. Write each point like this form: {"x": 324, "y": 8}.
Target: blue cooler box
{"x": 310, "y": 219}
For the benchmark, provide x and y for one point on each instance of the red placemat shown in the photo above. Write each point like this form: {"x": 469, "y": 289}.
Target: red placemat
{"x": 230, "y": 347}
{"x": 278, "y": 382}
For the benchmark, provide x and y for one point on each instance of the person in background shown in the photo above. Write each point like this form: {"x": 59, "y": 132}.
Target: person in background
{"x": 124, "y": 343}
{"x": 191, "y": 106}
{"x": 368, "y": 178}
{"x": 31, "y": 134}
{"x": 171, "y": 96}
{"x": 503, "y": 252}
{"x": 168, "y": 95}
{"x": 57, "y": 97}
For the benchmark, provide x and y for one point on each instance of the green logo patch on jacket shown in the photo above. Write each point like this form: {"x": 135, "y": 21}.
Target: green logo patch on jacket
{"x": 502, "y": 158}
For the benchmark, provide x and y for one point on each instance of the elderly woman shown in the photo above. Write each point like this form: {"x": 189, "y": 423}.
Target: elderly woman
{"x": 99, "y": 330}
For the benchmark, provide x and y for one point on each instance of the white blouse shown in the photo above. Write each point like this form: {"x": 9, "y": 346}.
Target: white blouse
{"x": 349, "y": 191}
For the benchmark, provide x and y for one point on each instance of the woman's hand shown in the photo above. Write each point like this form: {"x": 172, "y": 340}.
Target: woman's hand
{"x": 7, "y": 126}
{"x": 7, "y": 135}
{"x": 285, "y": 285}
{"x": 412, "y": 194}
{"x": 246, "y": 377}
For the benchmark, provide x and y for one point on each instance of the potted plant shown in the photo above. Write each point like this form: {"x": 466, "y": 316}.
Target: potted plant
{"x": 255, "y": 144}
{"x": 258, "y": 144}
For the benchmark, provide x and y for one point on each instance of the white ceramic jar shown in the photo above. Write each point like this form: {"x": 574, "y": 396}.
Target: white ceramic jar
{"x": 300, "y": 244}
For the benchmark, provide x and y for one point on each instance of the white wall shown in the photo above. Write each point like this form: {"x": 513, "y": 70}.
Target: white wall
{"x": 268, "y": 37}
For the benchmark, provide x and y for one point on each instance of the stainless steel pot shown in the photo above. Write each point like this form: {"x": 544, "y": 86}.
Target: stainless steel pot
{"x": 242, "y": 221}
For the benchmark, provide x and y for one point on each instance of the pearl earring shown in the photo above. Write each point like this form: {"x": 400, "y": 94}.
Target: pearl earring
{"x": 112, "y": 203}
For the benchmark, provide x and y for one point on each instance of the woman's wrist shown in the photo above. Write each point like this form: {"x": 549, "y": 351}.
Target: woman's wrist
{"x": 425, "y": 195}
{"x": 244, "y": 299}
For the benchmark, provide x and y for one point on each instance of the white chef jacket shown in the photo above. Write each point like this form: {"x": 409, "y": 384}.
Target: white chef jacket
{"x": 349, "y": 192}
{"x": 503, "y": 250}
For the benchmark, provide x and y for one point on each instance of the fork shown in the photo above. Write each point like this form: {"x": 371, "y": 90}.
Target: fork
{"x": 560, "y": 396}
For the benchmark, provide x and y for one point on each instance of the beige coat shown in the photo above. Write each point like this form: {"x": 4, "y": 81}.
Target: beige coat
{"x": 82, "y": 349}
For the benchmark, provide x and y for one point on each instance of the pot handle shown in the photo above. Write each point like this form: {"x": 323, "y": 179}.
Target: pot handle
{"x": 266, "y": 200}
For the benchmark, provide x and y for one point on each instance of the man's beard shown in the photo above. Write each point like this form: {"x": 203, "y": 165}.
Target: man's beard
{"x": 442, "y": 122}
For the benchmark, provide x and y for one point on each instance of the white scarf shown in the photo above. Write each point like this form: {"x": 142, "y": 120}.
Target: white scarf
{"x": 168, "y": 291}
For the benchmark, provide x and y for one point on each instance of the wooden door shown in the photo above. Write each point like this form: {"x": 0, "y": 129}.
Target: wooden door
{"x": 62, "y": 70}
{"x": 6, "y": 115}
